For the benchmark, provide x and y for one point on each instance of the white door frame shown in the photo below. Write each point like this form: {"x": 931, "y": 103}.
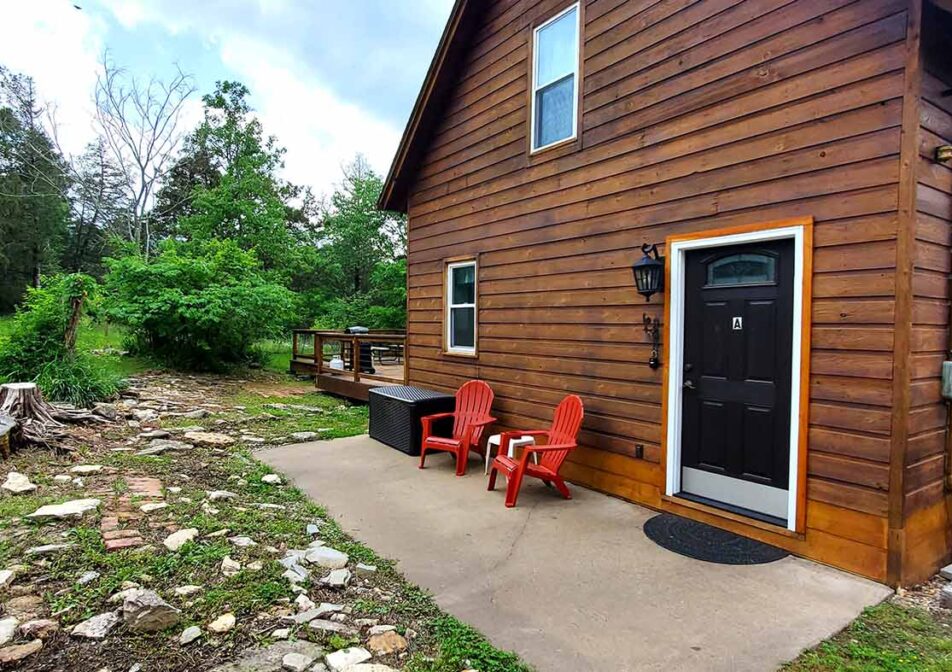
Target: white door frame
{"x": 676, "y": 260}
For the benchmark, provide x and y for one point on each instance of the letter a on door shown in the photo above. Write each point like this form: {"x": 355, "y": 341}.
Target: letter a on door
{"x": 737, "y": 323}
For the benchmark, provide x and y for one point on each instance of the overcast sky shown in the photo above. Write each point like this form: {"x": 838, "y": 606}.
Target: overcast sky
{"x": 329, "y": 79}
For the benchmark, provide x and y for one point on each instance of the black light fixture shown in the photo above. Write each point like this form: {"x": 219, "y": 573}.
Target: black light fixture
{"x": 649, "y": 271}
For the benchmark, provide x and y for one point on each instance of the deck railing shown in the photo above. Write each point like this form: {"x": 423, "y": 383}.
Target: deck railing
{"x": 375, "y": 357}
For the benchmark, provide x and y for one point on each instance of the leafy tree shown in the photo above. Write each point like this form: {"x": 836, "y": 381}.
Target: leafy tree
{"x": 33, "y": 185}
{"x": 358, "y": 235}
{"x": 98, "y": 209}
{"x": 249, "y": 202}
{"x": 201, "y": 305}
{"x": 41, "y": 343}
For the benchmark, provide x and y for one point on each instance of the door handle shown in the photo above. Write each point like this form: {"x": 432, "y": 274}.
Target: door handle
{"x": 688, "y": 385}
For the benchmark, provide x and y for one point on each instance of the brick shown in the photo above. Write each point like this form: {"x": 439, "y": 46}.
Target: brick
{"x": 120, "y": 534}
{"x": 119, "y": 544}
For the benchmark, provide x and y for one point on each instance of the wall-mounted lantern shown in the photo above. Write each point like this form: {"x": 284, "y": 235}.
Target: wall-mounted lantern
{"x": 943, "y": 154}
{"x": 649, "y": 271}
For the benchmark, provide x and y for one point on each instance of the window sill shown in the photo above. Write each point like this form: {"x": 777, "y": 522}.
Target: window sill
{"x": 463, "y": 355}
{"x": 554, "y": 151}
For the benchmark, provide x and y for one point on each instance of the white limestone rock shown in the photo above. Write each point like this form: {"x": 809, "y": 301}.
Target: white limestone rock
{"x": 326, "y": 557}
{"x": 18, "y": 484}
{"x": 340, "y": 660}
{"x": 296, "y": 662}
{"x": 271, "y": 479}
{"x": 74, "y": 509}
{"x": 97, "y": 627}
{"x": 145, "y": 611}
{"x": 8, "y": 628}
{"x": 223, "y": 623}
{"x": 176, "y": 540}
{"x": 190, "y": 634}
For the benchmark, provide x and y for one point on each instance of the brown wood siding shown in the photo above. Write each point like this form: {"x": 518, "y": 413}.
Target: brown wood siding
{"x": 927, "y": 542}
{"x": 696, "y": 116}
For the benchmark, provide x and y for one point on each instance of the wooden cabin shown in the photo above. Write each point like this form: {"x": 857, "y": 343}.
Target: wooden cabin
{"x": 784, "y": 157}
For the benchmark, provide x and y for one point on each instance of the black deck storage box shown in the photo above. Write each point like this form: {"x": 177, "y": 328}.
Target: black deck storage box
{"x": 395, "y": 413}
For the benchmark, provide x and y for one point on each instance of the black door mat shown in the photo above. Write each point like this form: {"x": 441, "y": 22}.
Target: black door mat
{"x": 710, "y": 544}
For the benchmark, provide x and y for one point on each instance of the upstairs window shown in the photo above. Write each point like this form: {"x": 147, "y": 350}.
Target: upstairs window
{"x": 555, "y": 56}
{"x": 460, "y": 316}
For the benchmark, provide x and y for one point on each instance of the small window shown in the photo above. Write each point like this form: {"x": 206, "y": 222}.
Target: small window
{"x": 461, "y": 307}
{"x": 742, "y": 269}
{"x": 555, "y": 50}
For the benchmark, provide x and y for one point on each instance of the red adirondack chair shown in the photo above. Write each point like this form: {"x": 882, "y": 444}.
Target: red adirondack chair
{"x": 473, "y": 403}
{"x": 560, "y": 440}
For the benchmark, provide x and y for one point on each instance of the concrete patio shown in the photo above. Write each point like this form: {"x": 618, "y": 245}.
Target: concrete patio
{"x": 572, "y": 586}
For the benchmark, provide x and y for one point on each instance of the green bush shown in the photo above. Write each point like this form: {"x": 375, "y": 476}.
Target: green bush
{"x": 197, "y": 305}
{"x": 37, "y": 349}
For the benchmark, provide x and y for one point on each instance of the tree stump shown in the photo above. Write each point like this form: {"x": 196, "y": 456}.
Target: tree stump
{"x": 32, "y": 415}
{"x": 8, "y": 427}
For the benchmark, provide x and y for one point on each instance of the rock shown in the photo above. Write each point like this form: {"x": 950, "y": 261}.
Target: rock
{"x": 108, "y": 411}
{"x": 296, "y": 575}
{"x": 304, "y": 603}
{"x": 8, "y": 628}
{"x": 296, "y": 662}
{"x": 230, "y": 567}
{"x": 87, "y": 577}
{"x": 176, "y": 540}
{"x": 6, "y": 577}
{"x": 185, "y": 591}
{"x": 197, "y": 414}
{"x": 270, "y": 507}
{"x": 97, "y": 627}
{"x": 313, "y": 528}
{"x": 17, "y": 484}
{"x": 13, "y": 654}
{"x": 209, "y": 439}
{"x": 76, "y": 508}
{"x": 338, "y": 578}
{"x": 945, "y": 596}
{"x": 155, "y": 434}
{"x": 365, "y": 571}
{"x": 271, "y": 479}
{"x": 48, "y": 549}
{"x": 40, "y": 628}
{"x": 304, "y": 436}
{"x": 86, "y": 469}
{"x": 281, "y": 633}
{"x": 79, "y": 483}
{"x": 341, "y": 660}
{"x": 222, "y": 624}
{"x": 216, "y": 495}
{"x": 62, "y": 478}
{"x": 268, "y": 658}
{"x": 946, "y": 572}
{"x": 145, "y": 611}
{"x": 255, "y": 566}
{"x": 159, "y": 446}
{"x": 152, "y": 506}
{"x": 242, "y": 542}
{"x": 25, "y": 607}
{"x": 173, "y": 490}
{"x": 326, "y": 557}
{"x": 123, "y": 594}
{"x": 386, "y": 643}
{"x": 253, "y": 439}
{"x": 190, "y": 634}
{"x": 380, "y": 629}
{"x": 217, "y": 533}
{"x": 325, "y": 626}
{"x": 145, "y": 414}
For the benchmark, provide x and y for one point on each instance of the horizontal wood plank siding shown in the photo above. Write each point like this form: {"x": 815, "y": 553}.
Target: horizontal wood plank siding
{"x": 695, "y": 115}
{"x": 927, "y": 542}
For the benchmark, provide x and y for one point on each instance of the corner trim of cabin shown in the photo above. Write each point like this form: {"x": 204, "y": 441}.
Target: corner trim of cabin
{"x": 800, "y": 229}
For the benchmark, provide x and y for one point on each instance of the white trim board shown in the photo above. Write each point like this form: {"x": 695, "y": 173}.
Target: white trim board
{"x": 675, "y": 257}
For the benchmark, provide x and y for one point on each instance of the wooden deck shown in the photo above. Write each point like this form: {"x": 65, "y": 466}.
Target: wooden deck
{"x": 380, "y": 359}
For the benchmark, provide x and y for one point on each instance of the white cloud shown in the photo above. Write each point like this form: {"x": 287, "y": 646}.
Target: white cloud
{"x": 321, "y": 132}
{"x": 59, "y": 46}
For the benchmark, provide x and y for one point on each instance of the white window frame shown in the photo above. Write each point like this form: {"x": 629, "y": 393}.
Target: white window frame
{"x": 449, "y": 305}
{"x": 536, "y": 86}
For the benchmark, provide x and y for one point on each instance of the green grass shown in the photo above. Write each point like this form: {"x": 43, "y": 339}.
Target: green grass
{"x": 885, "y": 638}
{"x": 276, "y": 355}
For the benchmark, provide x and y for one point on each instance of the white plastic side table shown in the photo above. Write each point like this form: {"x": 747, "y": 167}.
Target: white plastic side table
{"x": 496, "y": 439}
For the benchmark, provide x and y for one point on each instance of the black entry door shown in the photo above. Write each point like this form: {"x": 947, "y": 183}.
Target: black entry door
{"x": 737, "y": 366}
